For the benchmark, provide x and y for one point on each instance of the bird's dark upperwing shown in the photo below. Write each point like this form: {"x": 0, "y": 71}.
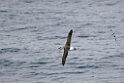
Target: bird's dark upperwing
{"x": 65, "y": 54}
{"x": 69, "y": 38}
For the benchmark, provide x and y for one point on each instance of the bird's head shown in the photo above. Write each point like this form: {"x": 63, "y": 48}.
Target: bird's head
{"x": 61, "y": 47}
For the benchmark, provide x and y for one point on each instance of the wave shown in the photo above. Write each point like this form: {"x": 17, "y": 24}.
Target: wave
{"x": 5, "y": 50}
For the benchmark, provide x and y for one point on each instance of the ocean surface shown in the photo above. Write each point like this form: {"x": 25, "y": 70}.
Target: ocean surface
{"x": 31, "y": 31}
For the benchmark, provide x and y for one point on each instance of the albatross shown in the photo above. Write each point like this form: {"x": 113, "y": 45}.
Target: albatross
{"x": 67, "y": 47}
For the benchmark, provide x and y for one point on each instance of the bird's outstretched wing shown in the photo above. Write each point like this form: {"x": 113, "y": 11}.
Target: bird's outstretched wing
{"x": 69, "y": 38}
{"x": 64, "y": 56}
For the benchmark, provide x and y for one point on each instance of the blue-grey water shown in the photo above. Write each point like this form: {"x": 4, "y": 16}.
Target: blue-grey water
{"x": 31, "y": 31}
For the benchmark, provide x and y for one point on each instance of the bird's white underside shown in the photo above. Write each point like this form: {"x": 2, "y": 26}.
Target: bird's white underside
{"x": 71, "y": 48}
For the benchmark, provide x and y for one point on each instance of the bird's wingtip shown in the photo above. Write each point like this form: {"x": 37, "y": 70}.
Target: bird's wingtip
{"x": 63, "y": 64}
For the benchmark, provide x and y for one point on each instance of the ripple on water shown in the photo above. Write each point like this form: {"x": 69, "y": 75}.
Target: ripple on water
{"x": 75, "y": 72}
{"x": 5, "y": 50}
{"x": 40, "y": 62}
{"x": 8, "y": 63}
{"x": 88, "y": 66}
{"x": 85, "y": 36}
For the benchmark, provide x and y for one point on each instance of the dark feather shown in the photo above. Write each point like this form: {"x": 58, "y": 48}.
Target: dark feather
{"x": 64, "y": 56}
{"x": 69, "y": 38}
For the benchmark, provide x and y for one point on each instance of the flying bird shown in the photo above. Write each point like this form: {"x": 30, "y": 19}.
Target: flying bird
{"x": 113, "y": 34}
{"x": 67, "y": 47}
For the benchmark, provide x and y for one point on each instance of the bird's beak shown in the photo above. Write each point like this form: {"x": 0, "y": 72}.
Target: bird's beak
{"x": 60, "y": 48}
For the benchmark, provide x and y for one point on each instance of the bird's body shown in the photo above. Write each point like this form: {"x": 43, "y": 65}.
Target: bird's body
{"x": 71, "y": 48}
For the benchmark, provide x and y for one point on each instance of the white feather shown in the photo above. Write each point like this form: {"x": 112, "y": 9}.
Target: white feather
{"x": 72, "y": 48}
